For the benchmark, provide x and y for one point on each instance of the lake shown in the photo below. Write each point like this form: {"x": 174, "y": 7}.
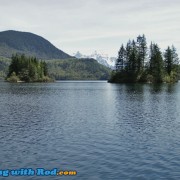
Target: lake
{"x": 101, "y": 130}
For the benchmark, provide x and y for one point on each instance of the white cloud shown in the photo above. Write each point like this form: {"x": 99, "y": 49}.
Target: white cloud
{"x": 102, "y": 25}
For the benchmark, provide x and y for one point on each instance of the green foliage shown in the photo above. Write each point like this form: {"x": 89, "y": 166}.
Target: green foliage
{"x": 171, "y": 64}
{"x": 171, "y": 78}
{"x": 132, "y": 64}
{"x": 68, "y": 69}
{"x": 130, "y": 61}
{"x": 77, "y": 69}
{"x": 27, "y": 69}
{"x": 4, "y": 63}
{"x": 120, "y": 63}
{"x": 156, "y": 64}
{"x": 13, "y": 78}
{"x": 168, "y": 60}
{"x": 142, "y": 51}
{"x": 60, "y": 65}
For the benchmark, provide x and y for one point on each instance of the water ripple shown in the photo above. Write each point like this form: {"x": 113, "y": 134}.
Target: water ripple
{"x": 101, "y": 130}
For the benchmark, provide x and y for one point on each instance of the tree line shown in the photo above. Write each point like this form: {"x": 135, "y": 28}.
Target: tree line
{"x": 78, "y": 69}
{"x": 138, "y": 63}
{"x": 64, "y": 69}
{"x": 27, "y": 69}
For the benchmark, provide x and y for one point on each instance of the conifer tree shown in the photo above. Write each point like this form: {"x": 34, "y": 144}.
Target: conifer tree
{"x": 174, "y": 55}
{"x": 128, "y": 53}
{"x": 142, "y": 52}
{"x": 171, "y": 59}
{"x": 168, "y": 60}
{"x": 27, "y": 69}
{"x": 131, "y": 62}
{"x": 133, "y": 58}
{"x": 120, "y": 62}
{"x": 156, "y": 63}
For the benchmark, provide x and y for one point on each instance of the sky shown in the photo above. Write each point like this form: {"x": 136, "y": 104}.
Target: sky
{"x": 89, "y": 25}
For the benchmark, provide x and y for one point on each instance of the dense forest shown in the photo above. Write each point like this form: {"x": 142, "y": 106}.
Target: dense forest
{"x": 4, "y": 64}
{"x": 138, "y": 63}
{"x": 78, "y": 69}
{"x": 27, "y": 69}
{"x": 67, "y": 69}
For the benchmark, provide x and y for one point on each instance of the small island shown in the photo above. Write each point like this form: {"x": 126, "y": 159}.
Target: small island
{"x": 27, "y": 69}
{"x": 137, "y": 63}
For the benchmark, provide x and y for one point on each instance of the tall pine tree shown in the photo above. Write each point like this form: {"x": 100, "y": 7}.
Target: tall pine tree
{"x": 142, "y": 52}
{"x": 168, "y": 60}
{"x": 156, "y": 63}
{"x": 120, "y": 62}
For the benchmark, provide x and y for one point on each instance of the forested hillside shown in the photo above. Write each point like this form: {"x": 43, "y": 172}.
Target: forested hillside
{"x": 68, "y": 69}
{"x": 78, "y": 69}
{"x": 12, "y": 42}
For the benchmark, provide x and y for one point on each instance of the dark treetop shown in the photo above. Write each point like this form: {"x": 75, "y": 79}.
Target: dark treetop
{"x": 137, "y": 63}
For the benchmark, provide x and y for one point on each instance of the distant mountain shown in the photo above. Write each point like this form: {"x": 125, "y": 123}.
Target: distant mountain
{"x": 103, "y": 59}
{"x": 30, "y": 44}
{"x": 61, "y": 65}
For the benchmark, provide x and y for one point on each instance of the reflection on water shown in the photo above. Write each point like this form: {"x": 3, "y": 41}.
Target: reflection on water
{"x": 101, "y": 130}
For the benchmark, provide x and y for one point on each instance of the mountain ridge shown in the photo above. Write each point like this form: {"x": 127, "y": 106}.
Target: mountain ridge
{"x": 61, "y": 65}
{"x": 30, "y": 44}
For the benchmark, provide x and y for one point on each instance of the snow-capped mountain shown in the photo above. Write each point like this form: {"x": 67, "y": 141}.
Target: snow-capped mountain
{"x": 103, "y": 59}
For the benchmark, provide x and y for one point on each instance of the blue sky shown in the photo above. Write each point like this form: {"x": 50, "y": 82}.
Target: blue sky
{"x": 102, "y": 25}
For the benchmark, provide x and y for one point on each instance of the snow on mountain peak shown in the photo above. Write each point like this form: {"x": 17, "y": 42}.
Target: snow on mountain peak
{"x": 103, "y": 59}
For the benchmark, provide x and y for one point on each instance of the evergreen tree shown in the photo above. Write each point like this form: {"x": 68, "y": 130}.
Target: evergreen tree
{"x": 27, "y": 69}
{"x": 171, "y": 59}
{"x": 168, "y": 55}
{"x": 156, "y": 63}
{"x": 171, "y": 64}
{"x": 175, "y": 56}
{"x": 132, "y": 61}
{"x": 45, "y": 68}
{"x": 142, "y": 52}
{"x": 133, "y": 58}
{"x": 120, "y": 62}
{"x": 150, "y": 57}
{"x": 128, "y": 54}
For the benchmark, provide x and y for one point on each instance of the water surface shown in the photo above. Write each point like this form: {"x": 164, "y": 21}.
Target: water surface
{"x": 101, "y": 130}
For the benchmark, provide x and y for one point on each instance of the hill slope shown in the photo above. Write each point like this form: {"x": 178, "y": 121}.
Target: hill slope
{"x": 12, "y": 42}
{"x": 78, "y": 69}
{"x": 61, "y": 66}
{"x": 68, "y": 69}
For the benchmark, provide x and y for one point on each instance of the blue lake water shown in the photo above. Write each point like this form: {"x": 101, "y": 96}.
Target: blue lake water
{"x": 101, "y": 130}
